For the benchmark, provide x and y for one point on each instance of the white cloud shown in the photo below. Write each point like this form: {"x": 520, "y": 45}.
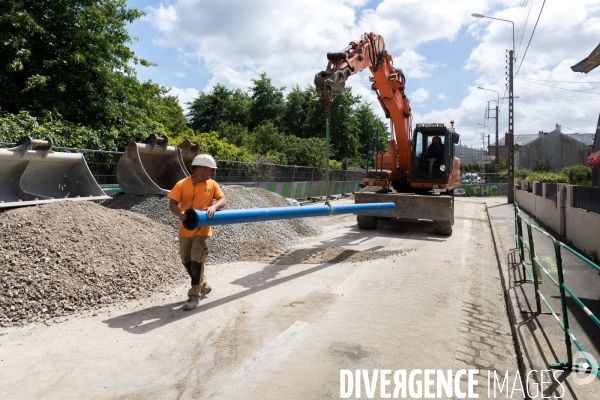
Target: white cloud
{"x": 419, "y": 95}
{"x": 163, "y": 18}
{"x": 180, "y": 74}
{"x": 186, "y": 95}
{"x": 442, "y": 96}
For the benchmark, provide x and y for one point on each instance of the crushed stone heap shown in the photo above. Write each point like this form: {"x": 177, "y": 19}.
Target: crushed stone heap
{"x": 226, "y": 243}
{"x": 57, "y": 259}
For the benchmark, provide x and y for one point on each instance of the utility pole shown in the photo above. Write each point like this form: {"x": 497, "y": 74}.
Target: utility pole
{"x": 497, "y": 159}
{"x": 511, "y": 132}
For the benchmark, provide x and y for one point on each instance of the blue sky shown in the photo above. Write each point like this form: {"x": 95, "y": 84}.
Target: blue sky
{"x": 444, "y": 52}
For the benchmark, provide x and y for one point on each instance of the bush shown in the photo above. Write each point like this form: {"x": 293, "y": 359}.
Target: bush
{"x": 578, "y": 175}
{"x": 549, "y": 177}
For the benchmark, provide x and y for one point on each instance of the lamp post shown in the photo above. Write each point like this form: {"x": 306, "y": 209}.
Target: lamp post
{"x": 497, "y": 104}
{"x": 511, "y": 136}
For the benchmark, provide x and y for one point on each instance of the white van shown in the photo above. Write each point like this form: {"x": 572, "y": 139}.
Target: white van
{"x": 470, "y": 177}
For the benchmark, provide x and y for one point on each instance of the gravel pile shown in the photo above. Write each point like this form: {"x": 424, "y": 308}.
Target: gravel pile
{"x": 227, "y": 242}
{"x": 61, "y": 258}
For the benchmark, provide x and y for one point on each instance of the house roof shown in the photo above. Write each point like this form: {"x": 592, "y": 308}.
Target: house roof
{"x": 589, "y": 63}
{"x": 522, "y": 140}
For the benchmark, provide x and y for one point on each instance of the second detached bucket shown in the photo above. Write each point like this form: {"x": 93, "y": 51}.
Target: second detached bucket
{"x": 152, "y": 167}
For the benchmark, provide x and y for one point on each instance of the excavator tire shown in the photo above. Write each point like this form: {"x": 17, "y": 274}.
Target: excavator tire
{"x": 366, "y": 222}
{"x": 442, "y": 228}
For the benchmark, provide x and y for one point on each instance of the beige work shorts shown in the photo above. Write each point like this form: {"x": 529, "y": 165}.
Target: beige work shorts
{"x": 193, "y": 249}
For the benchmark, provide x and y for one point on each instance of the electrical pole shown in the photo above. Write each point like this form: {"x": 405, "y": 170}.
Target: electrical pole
{"x": 497, "y": 159}
{"x": 511, "y": 133}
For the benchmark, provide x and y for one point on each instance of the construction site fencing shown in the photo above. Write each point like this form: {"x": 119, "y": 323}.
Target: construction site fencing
{"x": 534, "y": 269}
{"x": 287, "y": 180}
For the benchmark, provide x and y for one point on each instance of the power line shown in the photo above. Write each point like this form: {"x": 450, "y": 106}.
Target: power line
{"x": 527, "y": 48}
{"x": 522, "y": 26}
{"x": 544, "y": 80}
{"x": 543, "y": 119}
{"x": 570, "y": 90}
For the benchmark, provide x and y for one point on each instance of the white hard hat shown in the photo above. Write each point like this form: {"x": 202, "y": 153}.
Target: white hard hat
{"x": 204, "y": 160}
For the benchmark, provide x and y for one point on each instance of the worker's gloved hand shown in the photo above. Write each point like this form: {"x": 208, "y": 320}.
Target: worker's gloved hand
{"x": 210, "y": 211}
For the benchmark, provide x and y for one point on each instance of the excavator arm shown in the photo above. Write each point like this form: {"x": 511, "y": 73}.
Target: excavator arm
{"x": 368, "y": 51}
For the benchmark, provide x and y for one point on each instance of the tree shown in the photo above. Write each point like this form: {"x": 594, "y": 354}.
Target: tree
{"x": 296, "y": 112}
{"x": 69, "y": 59}
{"x": 209, "y": 110}
{"x": 267, "y": 103}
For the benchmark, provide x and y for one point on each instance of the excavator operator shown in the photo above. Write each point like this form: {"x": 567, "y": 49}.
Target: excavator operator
{"x": 436, "y": 150}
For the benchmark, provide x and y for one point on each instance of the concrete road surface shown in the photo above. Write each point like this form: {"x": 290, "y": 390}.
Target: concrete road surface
{"x": 286, "y": 330}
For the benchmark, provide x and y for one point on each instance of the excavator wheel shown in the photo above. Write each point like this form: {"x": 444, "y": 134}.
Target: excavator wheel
{"x": 442, "y": 228}
{"x": 366, "y": 222}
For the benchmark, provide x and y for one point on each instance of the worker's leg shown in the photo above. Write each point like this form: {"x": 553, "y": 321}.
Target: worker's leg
{"x": 199, "y": 255}
{"x": 185, "y": 252}
{"x": 200, "y": 287}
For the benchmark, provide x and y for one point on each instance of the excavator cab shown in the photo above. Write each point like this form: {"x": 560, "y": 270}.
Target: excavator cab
{"x": 433, "y": 155}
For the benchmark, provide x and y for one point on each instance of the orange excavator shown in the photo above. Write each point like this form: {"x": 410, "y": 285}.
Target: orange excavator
{"x": 419, "y": 172}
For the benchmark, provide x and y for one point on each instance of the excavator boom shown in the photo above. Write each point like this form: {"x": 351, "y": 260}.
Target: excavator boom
{"x": 408, "y": 167}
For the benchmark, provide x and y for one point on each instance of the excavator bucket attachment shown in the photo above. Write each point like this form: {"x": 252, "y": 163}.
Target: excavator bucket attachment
{"x": 152, "y": 167}
{"x": 189, "y": 150}
{"x": 29, "y": 177}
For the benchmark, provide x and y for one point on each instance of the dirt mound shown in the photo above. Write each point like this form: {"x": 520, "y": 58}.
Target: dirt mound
{"x": 60, "y": 258}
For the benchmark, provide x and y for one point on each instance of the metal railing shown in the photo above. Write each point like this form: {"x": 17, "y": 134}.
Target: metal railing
{"x": 534, "y": 268}
{"x": 587, "y": 198}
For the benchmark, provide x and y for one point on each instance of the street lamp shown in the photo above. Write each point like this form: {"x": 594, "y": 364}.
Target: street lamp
{"x": 497, "y": 104}
{"x": 511, "y": 136}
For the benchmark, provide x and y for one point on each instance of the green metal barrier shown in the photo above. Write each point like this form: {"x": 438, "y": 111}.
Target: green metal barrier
{"x": 534, "y": 275}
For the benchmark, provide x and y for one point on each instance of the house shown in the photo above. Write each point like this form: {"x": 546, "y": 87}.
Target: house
{"x": 557, "y": 149}
{"x": 520, "y": 140}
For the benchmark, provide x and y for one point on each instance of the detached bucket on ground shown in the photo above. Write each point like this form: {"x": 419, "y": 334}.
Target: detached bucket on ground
{"x": 29, "y": 177}
{"x": 189, "y": 150}
{"x": 152, "y": 167}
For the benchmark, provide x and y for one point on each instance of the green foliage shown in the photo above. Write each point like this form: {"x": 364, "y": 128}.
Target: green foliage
{"x": 550, "y": 177}
{"x": 267, "y": 103}
{"x": 286, "y": 149}
{"x": 63, "y": 133}
{"x": 234, "y": 133}
{"x": 578, "y": 175}
{"x": 221, "y": 105}
{"x": 333, "y": 164}
{"x": 68, "y": 59}
{"x": 541, "y": 166}
{"x": 220, "y": 149}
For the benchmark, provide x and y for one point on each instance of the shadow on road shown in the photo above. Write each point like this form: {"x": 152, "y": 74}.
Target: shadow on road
{"x": 148, "y": 319}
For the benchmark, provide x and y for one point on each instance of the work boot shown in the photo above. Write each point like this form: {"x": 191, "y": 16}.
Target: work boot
{"x": 205, "y": 290}
{"x": 191, "y": 304}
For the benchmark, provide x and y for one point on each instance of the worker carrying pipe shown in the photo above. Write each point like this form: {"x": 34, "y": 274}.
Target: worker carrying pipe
{"x": 196, "y": 191}
{"x": 200, "y": 218}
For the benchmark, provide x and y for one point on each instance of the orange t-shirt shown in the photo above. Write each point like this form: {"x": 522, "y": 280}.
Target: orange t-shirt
{"x": 201, "y": 194}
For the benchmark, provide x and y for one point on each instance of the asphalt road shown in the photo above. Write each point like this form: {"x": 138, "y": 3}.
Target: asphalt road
{"x": 284, "y": 329}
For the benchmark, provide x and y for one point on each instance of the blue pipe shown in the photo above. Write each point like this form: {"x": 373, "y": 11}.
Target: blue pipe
{"x": 198, "y": 218}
